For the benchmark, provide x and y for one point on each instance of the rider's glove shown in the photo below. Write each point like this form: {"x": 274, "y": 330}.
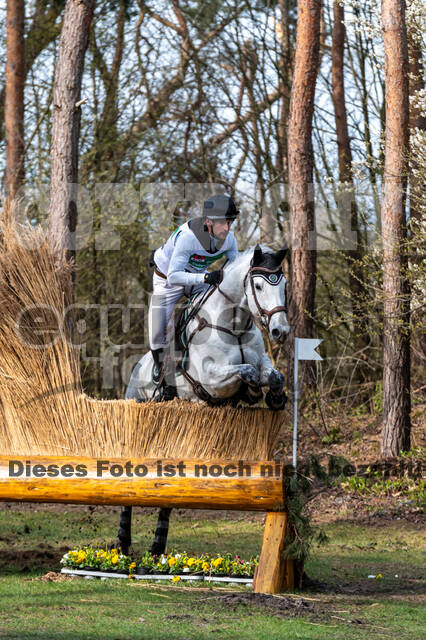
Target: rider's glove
{"x": 213, "y": 277}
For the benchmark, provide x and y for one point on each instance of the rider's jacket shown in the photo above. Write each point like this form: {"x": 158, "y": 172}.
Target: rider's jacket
{"x": 189, "y": 251}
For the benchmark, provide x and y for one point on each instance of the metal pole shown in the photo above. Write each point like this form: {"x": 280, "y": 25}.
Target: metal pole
{"x": 296, "y": 396}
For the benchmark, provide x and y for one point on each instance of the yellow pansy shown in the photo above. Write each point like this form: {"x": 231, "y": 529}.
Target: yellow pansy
{"x": 81, "y": 556}
{"x": 132, "y": 565}
{"x": 172, "y": 561}
{"x": 175, "y": 579}
{"x": 205, "y": 566}
{"x": 114, "y": 559}
{"x": 191, "y": 562}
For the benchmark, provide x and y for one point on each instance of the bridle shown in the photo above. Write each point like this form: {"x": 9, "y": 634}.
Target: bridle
{"x": 265, "y": 273}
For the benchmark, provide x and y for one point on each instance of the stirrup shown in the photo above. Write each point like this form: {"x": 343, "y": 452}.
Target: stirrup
{"x": 165, "y": 392}
{"x": 169, "y": 392}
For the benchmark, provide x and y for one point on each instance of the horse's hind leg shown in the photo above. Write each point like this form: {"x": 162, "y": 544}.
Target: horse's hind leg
{"x": 124, "y": 537}
{"x": 161, "y": 532}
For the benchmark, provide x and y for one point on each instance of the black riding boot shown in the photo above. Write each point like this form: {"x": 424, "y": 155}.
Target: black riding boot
{"x": 163, "y": 375}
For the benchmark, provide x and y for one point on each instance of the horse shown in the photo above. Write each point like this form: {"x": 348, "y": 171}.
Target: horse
{"x": 222, "y": 356}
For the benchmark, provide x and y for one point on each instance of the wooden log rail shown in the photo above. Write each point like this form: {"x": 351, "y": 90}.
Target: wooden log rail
{"x": 193, "y": 484}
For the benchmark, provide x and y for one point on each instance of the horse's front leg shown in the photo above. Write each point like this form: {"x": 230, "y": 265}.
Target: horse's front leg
{"x": 216, "y": 377}
{"x": 124, "y": 537}
{"x": 275, "y": 398}
{"x": 160, "y": 540}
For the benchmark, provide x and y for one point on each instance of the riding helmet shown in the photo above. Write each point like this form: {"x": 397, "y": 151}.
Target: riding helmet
{"x": 219, "y": 207}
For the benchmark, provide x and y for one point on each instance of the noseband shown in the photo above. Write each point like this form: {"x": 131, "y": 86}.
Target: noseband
{"x": 265, "y": 315}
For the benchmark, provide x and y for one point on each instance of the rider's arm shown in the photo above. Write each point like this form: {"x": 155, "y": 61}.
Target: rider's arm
{"x": 232, "y": 252}
{"x": 176, "y": 274}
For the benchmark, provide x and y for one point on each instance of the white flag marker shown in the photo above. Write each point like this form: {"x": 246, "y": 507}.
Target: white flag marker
{"x": 304, "y": 349}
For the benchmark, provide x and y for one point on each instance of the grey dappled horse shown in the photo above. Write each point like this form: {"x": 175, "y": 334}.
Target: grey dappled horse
{"x": 223, "y": 350}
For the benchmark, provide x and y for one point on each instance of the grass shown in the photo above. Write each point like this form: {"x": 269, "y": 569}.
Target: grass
{"x": 89, "y": 610}
{"x": 347, "y": 606}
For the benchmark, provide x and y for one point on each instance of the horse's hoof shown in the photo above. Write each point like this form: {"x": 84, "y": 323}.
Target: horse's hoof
{"x": 123, "y": 546}
{"x": 276, "y": 402}
{"x": 157, "y": 549}
{"x": 275, "y": 380}
{"x": 251, "y": 395}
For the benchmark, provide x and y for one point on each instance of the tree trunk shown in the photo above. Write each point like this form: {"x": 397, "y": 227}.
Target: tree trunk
{"x": 352, "y": 256}
{"x": 285, "y": 79}
{"x": 300, "y": 167}
{"x": 249, "y": 65}
{"x": 66, "y": 125}
{"x": 42, "y": 31}
{"x": 14, "y": 101}
{"x": 417, "y": 121}
{"x": 396, "y": 343}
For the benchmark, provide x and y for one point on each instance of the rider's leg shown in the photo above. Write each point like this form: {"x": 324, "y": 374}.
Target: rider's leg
{"x": 163, "y": 302}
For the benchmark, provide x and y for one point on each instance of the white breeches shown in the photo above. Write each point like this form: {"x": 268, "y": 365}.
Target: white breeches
{"x": 163, "y": 301}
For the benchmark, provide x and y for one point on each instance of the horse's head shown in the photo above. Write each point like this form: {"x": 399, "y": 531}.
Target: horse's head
{"x": 266, "y": 291}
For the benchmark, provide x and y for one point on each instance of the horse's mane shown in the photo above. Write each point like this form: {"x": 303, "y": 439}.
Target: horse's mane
{"x": 242, "y": 257}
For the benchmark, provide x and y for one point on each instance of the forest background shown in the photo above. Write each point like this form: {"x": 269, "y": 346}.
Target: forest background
{"x": 183, "y": 98}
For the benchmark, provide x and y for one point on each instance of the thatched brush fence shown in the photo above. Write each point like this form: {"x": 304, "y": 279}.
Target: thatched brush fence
{"x": 45, "y": 417}
{"x": 43, "y": 408}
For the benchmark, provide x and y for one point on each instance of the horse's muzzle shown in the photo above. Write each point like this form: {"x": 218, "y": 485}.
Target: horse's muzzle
{"x": 280, "y": 333}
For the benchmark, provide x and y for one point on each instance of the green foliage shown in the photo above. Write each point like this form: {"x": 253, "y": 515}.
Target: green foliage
{"x": 338, "y": 466}
{"x": 333, "y": 436}
{"x": 415, "y": 452}
{"x": 301, "y": 533}
{"x": 376, "y": 485}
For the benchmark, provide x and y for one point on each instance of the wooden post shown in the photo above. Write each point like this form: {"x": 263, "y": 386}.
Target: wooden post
{"x": 274, "y": 573}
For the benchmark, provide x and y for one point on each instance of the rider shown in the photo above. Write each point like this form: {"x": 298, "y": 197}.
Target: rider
{"x": 180, "y": 268}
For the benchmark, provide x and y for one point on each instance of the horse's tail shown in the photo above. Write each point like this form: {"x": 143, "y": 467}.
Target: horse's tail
{"x": 161, "y": 532}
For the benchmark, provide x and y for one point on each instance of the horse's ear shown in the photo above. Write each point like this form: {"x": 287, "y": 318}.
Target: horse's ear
{"x": 257, "y": 256}
{"x": 280, "y": 255}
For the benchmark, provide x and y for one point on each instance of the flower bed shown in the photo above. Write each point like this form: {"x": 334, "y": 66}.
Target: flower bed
{"x": 172, "y": 565}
